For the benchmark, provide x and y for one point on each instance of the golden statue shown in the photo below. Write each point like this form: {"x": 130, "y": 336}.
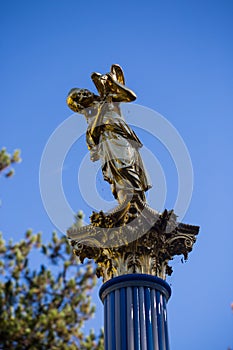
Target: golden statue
{"x": 108, "y": 136}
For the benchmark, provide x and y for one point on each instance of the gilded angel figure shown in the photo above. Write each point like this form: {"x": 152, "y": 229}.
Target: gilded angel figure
{"x": 109, "y": 138}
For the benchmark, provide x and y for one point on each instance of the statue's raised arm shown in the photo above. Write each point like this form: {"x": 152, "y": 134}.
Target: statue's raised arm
{"x": 113, "y": 85}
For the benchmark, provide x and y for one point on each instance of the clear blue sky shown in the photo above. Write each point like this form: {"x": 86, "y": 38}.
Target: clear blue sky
{"x": 177, "y": 56}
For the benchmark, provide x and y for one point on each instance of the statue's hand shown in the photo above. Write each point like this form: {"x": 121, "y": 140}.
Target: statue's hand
{"x": 94, "y": 157}
{"x": 118, "y": 91}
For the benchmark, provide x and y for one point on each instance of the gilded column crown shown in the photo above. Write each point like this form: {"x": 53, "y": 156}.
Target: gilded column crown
{"x": 143, "y": 244}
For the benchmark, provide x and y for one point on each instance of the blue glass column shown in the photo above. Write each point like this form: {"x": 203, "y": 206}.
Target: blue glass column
{"x": 135, "y": 314}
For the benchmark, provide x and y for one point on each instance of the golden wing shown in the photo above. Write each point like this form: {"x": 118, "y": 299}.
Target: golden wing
{"x": 117, "y": 73}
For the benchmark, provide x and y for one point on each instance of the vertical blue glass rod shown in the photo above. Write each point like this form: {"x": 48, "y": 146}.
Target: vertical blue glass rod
{"x": 123, "y": 324}
{"x": 142, "y": 318}
{"x": 147, "y": 292}
{"x": 154, "y": 311}
{"x": 130, "y": 318}
{"x": 105, "y": 325}
{"x": 135, "y": 315}
{"x": 159, "y": 320}
{"x": 110, "y": 329}
{"x": 136, "y": 319}
{"x": 112, "y": 322}
{"x": 165, "y": 323}
{"x": 117, "y": 319}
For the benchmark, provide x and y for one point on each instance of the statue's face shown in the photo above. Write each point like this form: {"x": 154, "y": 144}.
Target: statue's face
{"x": 79, "y": 99}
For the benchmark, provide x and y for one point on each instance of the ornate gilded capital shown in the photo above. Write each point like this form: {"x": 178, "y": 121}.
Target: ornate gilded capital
{"x": 144, "y": 243}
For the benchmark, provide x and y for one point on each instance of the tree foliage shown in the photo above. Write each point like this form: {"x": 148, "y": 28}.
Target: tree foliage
{"x": 44, "y": 308}
{"x": 6, "y": 160}
{"x": 44, "y": 305}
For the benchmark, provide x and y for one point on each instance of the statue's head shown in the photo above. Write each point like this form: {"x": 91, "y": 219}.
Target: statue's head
{"x": 79, "y": 99}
